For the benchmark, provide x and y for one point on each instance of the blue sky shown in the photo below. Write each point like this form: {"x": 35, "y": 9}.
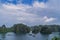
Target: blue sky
{"x": 29, "y": 12}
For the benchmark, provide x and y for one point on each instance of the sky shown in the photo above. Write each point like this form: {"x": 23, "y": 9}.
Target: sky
{"x": 29, "y": 12}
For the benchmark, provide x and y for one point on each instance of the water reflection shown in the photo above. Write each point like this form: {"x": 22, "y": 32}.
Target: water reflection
{"x": 2, "y": 36}
{"x": 13, "y": 36}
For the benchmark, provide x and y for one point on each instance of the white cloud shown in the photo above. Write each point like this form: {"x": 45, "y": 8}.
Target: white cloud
{"x": 46, "y": 19}
{"x": 15, "y": 7}
{"x": 24, "y": 7}
{"x": 39, "y": 4}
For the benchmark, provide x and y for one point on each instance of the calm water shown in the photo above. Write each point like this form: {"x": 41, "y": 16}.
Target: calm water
{"x": 12, "y": 36}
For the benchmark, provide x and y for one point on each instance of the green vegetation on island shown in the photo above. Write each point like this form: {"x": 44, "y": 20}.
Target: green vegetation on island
{"x": 22, "y": 28}
{"x": 56, "y": 38}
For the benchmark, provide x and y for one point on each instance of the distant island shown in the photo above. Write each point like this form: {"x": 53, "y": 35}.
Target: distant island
{"x": 22, "y": 28}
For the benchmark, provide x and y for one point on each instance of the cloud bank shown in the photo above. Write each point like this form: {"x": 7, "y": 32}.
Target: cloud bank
{"x": 34, "y": 13}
